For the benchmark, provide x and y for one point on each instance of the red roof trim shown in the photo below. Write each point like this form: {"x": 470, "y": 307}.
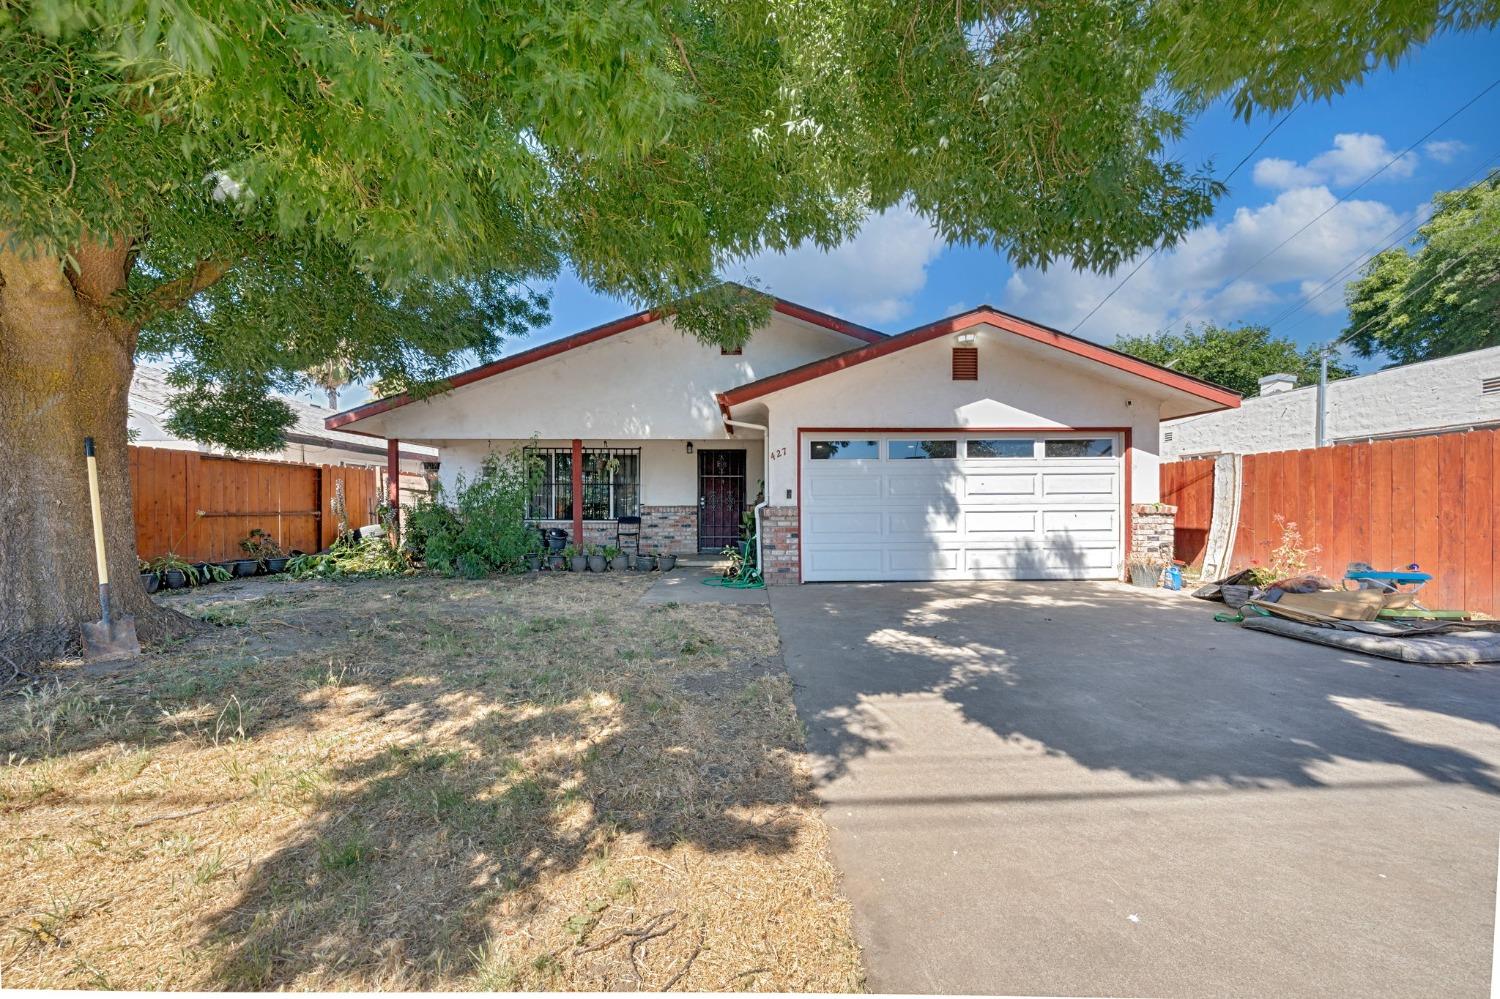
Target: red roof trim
{"x": 588, "y": 336}
{"x": 984, "y": 314}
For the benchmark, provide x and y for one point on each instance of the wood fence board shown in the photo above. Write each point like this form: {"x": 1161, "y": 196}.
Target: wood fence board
{"x": 1448, "y": 503}
{"x": 1380, "y": 503}
{"x": 1403, "y": 503}
{"x": 1479, "y": 503}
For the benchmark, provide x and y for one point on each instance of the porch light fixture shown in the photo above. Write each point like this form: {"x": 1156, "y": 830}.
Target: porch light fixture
{"x": 966, "y": 339}
{"x": 689, "y": 447}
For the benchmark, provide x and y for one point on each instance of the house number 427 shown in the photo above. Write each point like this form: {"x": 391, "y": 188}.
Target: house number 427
{"x": 778, "y": 453}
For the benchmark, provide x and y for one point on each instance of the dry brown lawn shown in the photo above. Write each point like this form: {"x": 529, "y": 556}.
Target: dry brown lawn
{"x": 423, "y": 784}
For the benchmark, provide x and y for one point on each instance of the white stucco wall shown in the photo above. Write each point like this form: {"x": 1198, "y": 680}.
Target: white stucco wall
{"x": 1431, "y": 395}
{"x": 650, "y": 382}
{"x": 1021, "y": 385}
{"x": 669, "y": 475}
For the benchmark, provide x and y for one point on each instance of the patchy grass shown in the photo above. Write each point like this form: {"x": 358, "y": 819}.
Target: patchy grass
{"x": 424, "y": 784}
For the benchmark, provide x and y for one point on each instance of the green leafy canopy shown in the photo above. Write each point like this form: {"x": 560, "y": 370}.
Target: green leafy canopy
{"x": 288, "y": 183}
{"x": 1442, "y": 297}
{"x": 1235, "y": 357}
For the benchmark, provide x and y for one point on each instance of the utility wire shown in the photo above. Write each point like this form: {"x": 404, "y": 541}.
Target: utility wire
{"x": 1352, "y": 191}
{"x": 1146, "y": 259}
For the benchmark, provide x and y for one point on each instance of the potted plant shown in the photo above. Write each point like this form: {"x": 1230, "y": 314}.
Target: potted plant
{"x": 533, "y": 562}
{"x": 596, "y": 559}
{"x": 263, "y": 550}
{"x": 149, "y": 579}
{"x": 174, "y": 571}
{"x": 576, "y": 559}
{"x": 645, "y": 563}
{"x": 203, "y": 572}
{"x": 555, "y": 560}
{"x": 666, "y": 563}
{"x": 615, "y": 559}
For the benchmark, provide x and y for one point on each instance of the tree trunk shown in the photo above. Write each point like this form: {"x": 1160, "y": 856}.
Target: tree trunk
{"x": 65, "y": 371}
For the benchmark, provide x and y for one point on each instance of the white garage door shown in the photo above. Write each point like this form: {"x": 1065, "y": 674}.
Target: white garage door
{"x": 961, "y": 506}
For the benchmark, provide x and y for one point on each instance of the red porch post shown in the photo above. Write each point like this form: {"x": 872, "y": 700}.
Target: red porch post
{"x": 577, "y": 493}
{"x": 393, "y": 486}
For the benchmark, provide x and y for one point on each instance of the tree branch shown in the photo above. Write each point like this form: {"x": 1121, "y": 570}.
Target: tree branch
{"x": 175, "y": 294}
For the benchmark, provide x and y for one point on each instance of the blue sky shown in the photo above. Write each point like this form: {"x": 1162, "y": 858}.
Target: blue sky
{"x": 896, "y": 274}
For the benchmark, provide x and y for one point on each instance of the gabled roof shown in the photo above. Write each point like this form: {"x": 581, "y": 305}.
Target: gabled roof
{"x": 1219, "y": 396}
{"x": 554, "y": 347}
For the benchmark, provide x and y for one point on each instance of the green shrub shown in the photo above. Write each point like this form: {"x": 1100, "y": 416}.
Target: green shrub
{"x": 483, "y": 529}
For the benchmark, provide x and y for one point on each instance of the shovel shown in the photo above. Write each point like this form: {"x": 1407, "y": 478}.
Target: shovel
{"x": 107, "y": 638}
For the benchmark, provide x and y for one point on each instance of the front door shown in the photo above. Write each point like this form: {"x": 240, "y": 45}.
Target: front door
{"x": 721, "y": 498}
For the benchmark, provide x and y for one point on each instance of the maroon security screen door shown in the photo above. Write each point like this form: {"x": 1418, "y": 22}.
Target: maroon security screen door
{"x": 721, "y": 498}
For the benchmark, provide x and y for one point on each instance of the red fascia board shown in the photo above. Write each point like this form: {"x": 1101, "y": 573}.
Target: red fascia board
{"x": 1221, "y": 397}
{"x": 588, "y": 336}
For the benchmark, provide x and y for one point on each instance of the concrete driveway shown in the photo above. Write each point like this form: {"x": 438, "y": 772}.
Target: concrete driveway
{"x": 1084, "y": 789}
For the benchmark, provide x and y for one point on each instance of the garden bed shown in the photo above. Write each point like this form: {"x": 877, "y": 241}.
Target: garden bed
{"x": 412, "y": 783}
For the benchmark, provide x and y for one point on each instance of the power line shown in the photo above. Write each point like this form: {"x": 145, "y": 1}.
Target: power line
{"x": 1355, "y": 190}
{"x": 1227, "y": 177}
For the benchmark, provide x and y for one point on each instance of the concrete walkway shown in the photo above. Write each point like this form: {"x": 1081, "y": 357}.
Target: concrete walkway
{"x": 1084, "y": 789}
{"x": 684, "y": 585}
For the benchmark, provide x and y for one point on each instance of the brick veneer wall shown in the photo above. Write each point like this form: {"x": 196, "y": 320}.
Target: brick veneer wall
{"x": 663, "y": 528}
{"x": 1152, "y": 527}
{"x": 779, "y": 547}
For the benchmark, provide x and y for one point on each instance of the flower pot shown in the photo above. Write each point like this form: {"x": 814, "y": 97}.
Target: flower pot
{"x": 620, "y": 563}
{"x": 645, "y": 563}
{"x": 246, "y": 567}
{"x": 1145, "y": 575}
{"x": 203, "y": 572}
{"x": 666, "y": 563}
{"x": 578, "y": 563}
{"x": 596, "y": 563}
{"x": 556, "y": 563}
{"x": 533, "y": 563}
{"x": 175, "y": 579}
{"x": 277, "y": 564}
{"x": 151, "y": 581}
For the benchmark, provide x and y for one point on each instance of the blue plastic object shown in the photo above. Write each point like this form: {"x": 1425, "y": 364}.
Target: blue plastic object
{"x": 1174, "y": 577}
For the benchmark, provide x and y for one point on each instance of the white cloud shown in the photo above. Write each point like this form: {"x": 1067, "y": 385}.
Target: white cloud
{"x": 1279, "y": 174}
{"x": 1445, "y": 150}
{"x": 1201, "y": 277}
{"x": 1354, "y": 157}
{"x": 871, "y": 278}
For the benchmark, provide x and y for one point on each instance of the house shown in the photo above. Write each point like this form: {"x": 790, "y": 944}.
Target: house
{"x": 1461, "y": 392}
{"x": 308, "y": 441}
{"x": 980, "y": 446}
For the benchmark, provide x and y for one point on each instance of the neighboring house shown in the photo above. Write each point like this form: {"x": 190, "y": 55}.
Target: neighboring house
{"x": 979, "y": 446}
{"x": 1450, "y": 393}
{"x": 308, "y": 441}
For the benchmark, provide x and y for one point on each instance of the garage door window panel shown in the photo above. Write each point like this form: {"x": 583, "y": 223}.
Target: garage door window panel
{"x": 845, "y": 450}
{"x": 1080, "y": 447}
{"x": 1000, "y": 448}
{"x": 900, "y": 450}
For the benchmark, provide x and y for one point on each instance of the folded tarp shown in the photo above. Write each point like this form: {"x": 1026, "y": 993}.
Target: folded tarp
{"x": 1429, "y": 643}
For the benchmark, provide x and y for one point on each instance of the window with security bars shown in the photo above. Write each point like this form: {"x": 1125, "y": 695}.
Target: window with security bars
{"x": 611, "y": 484}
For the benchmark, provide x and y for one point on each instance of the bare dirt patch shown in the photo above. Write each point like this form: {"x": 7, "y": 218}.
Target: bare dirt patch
{"x": 424, "y": 784}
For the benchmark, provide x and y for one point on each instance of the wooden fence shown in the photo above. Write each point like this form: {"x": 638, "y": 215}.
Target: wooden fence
{"x": 1433, "y": 501}
{"x": 200, "y": 505}
{"x": 1189, "y": 486}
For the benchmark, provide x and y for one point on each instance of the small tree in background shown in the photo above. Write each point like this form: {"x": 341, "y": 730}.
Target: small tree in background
{"x": 1441, "y": 297}
{"x": 1235, "y": 357}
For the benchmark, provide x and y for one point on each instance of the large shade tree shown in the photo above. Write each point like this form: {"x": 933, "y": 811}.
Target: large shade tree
{"x": 256, "y": 187}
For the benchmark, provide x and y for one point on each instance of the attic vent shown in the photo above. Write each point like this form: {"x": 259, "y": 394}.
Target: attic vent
{"x": 1489, "y": 386}
{"x": 1168, "y": 435}
{"x": 966, "y": 364}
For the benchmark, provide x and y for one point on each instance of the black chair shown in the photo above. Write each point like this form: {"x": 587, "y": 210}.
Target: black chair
{"x": 628, "y": 529}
